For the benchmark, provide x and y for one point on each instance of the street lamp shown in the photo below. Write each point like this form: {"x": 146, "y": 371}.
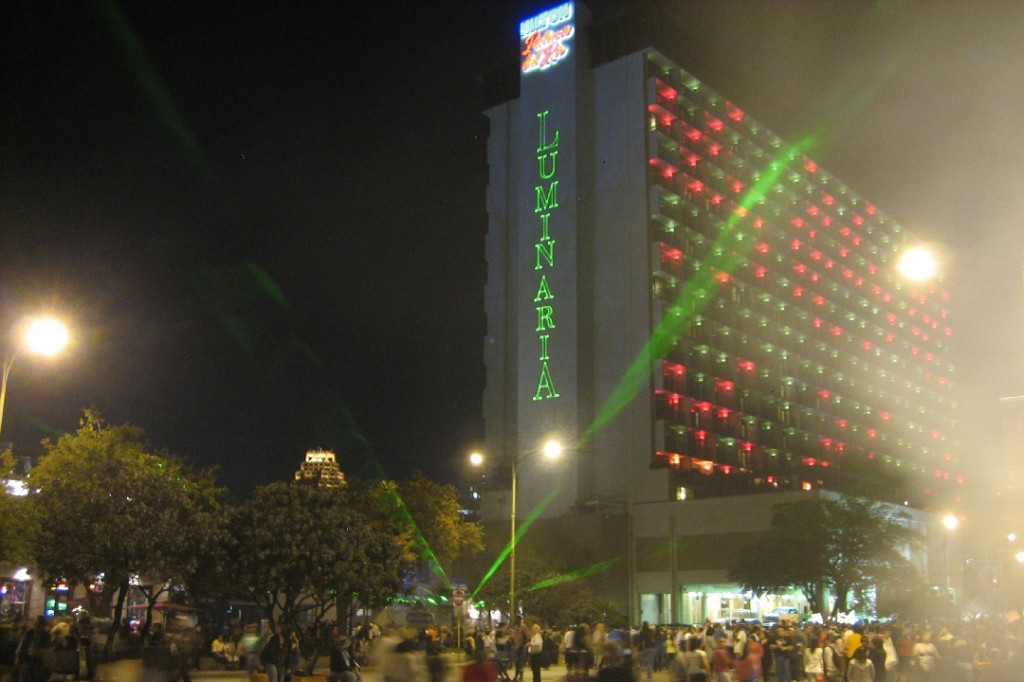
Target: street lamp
{"x": 918, "y": 264}
{"x": 951, "y": 523}
{"x": 40, "y": 336}
{"x": 551, "y": 450}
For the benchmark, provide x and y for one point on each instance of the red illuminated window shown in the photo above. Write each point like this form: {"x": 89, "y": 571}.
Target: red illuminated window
{"x": 733, "y": 112}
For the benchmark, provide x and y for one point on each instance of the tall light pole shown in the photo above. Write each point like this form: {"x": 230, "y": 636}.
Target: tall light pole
{"x": 951, "y": 523}
{"x": 40, "y": 336}
{"x": 552, "y": 450}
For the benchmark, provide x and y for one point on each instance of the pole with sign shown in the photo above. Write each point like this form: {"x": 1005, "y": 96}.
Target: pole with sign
{"x": 459, "y": 589}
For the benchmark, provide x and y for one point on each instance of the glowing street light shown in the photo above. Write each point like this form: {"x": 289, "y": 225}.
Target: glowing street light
{"x": 951, "y": 523}
{"x": 918, "y": 264}
{"x": 40, "y": 336}
{"x": 551, "y": 450}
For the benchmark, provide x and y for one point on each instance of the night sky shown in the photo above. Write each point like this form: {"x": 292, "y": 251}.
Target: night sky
{"x": 265, "y": 221}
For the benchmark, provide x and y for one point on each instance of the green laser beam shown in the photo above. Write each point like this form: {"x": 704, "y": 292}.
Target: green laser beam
{"x": 840, "y": 109}
{"x": 599, "y": 567}
{"x": 520, "y": 531}
{"x": 730, "y": 249}
{"x": 119, "y": 28}
{"x": 427, "y": 552}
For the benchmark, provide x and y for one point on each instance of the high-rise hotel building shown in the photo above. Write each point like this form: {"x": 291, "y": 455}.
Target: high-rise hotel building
{"x": 693, "y": 305}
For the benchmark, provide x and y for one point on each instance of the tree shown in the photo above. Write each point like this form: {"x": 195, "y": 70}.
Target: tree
{"x": 104, "y": 505}
{"x": 847, "y": 545}
{"x": 440, "y": 535}
{"x": 304, "y": 548}
{"x": 16, "y": 531}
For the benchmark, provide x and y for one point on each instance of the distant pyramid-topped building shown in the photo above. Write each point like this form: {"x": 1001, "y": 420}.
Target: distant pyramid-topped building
{"x": 321, "y": 468}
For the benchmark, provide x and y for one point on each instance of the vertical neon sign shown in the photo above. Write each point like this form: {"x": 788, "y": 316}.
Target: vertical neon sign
{"x": 544, "y": 249}
{"x": 545, "y": 162}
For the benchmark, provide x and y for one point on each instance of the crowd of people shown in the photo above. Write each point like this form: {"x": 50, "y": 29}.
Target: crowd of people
{"x": 975, "y": 651}
{"x": 964, "y": 651}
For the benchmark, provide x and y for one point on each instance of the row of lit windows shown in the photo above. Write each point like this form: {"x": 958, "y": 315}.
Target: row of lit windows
{"x": 731, "y": 128}
{"x": 732, "y": 349}
{"x": 729, "y": 454}
{"x": 814, "y": 255}
{"x": 794, "y": 403}
{"x": 805, "y": 292}
{"x": 824, "y": 343}
{"x": 813, "y": 211}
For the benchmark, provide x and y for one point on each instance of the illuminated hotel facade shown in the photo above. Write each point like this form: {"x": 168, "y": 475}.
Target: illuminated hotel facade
{"x": 698, "y": 310}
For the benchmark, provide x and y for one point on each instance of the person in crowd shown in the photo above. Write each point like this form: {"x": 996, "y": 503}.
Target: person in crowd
{"x": 613, "y": 666}
{"x": 598, "y": 637}
{"x": 219, "y": 648}
{"x": 721, "y": 661}
{"x": 876, "y": 652}
{"x": 275, "y": 656}
{"x": 519, "y": 639}
{"x": 983, "y": 665}
{"x": 754, "y": 655}
{"x": 677, "y": 670}
{"x": 860, "y": 669}
{"x": 343, "y": 666}
{"x": 644, "y": 645}
{"x": 781, "y": 645}
{"x": 697, "y": 660}
{"x": 29, "y": 655}
{"x": 249, "y": 646}
{"x": 407, "y": 663}
{"x": 582, "y": 657}
{"x": 82, "y": 630}
{"x": 550, "y": 648}
{"x": 535, "y": 651}
{"x": 926, "y": 657}
{"x": 568, "y": 650}
{"x": 814, "y": 661}
{"x": 489, "y": 645}
{"x": 481, "y": 669}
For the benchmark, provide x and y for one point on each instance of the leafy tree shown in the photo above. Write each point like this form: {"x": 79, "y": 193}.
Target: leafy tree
{"x": 847, "y": 545}
{"x": 430, "y": 513}
{"x": 304, "y": 548}
{"x": 16, "y": 531}
{"x": 105, "y": 506}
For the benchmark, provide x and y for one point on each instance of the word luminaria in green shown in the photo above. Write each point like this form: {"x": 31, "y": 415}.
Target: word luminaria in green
{"x": 544, "y": 250}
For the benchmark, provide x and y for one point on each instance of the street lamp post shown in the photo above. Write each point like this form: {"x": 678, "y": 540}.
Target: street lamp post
{"x": 41, "y": 336}
{"x": 951, "y": 523}
{"x": 551, "y": 450}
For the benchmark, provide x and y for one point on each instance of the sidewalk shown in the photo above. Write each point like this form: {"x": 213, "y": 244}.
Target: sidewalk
{"x": 130, "y": 670}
